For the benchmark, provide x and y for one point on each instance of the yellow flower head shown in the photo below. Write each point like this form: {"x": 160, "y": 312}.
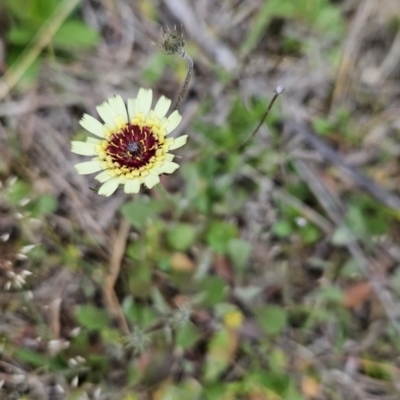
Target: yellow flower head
{"x": 132, "y": 147}
{"x": 233, "y": 319}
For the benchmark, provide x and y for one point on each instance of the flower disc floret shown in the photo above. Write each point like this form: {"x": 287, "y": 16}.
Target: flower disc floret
{"x": 131, "y": 147}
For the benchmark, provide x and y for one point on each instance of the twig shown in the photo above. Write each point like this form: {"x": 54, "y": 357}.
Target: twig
{"x": 110, "y": 298}
{"x": 280, "y": 194}
{"x": 381, "y": 194}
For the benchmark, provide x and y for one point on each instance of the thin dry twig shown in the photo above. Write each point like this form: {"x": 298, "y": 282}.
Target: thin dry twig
{"x": 351, "y": 49}
{"x": 281, "y": 194}
{"x": 366, "y": 183}
{"x": 110, "y": 298}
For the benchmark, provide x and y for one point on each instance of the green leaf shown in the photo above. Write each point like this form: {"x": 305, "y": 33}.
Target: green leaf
{"x": 275, "y": 381}
{"x": 239, "y": 251}
{"x": 342, "y": 235}
{"x": 20, "y": 36}
{"x": 357, "y": 220}
{"x": 44, "y": 205}
{"x": 91, "y": 317}
{"x": 140, "y": 279}
{"x": 215, "y": 290}
{"x": 309, "y": 234}
{"x": 139, "y": 212}
{"x": 272, "y": 319}
{"x": 330, "y": 294}
{"x": 322, "y": 126}
{"x": 181, "y": 236}
{"x": 139, "y": 314}
{"x": 75, "y": 35}
{"x": 218, "y": 356}
{"x": 32, "y": 12}
{"x": 187, "y": 336}
{"x": 330, "y": 20}
{"x": 282, "y": 228}
{"x": 219, "y": 234}
{"x": 31, "y": 357}
{"x": 192, "y": 178}
{"x": 19, "y": 191}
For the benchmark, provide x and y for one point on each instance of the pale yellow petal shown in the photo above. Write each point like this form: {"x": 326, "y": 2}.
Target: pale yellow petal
{"x": 151, "y": 180}
{"x": 92, "y": 125}
{"x": 82, "y": 148}
{"x": 162, "y": 107}
{"x": 169, "y": 157}
{"x": 88, "y": 167}
{"x": 156, "y": 171}
{"x": 107, "y": 114}
{"x": 132, "y": 108}
{"x": 118, "y": 106}
{"x": 132, "y": 186}
{"x": 145, "y": 97}
{"x": 91, "y": 140}
{"x": 169, "y": 167}
{"x": 173, "y": 121}
{"x": 103, "y": 176}
{"x": 178, "y": 142}
{"x": 109, "y": 187}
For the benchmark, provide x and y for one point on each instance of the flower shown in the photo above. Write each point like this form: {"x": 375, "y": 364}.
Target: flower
{"x": 132, "y": 147}
{"x": 172, "y": 42}
{"x": 233, "y": 319}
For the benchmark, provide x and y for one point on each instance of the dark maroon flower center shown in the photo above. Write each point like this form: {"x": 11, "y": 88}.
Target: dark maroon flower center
{"x": 133, "y": 146}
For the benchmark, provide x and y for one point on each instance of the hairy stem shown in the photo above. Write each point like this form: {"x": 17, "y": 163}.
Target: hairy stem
{"x": 187, "y": 80}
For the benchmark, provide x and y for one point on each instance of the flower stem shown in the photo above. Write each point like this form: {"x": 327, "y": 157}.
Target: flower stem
{"x": 187, "y": 80}
{"x": 277, "y": 92}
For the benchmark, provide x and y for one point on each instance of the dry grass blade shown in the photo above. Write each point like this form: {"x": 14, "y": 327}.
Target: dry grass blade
{"x": 110, "y": 298}
{"x": 381, "y": 194}
{"x": 40, "y": 41}
{"x": 334, "y": 209}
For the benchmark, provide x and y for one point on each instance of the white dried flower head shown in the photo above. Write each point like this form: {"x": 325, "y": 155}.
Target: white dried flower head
{"x": 26, "y": 249}
{"x": 11, "y": 181}
{"x": 4, "y": 237}
{"x": 75, "y": 381}
{"x": 75, "y": 332}
{"x": 57, "y": 345}
{"x": 97, "y": 393}
{"x": 23, "y": 202}
{"x": 59, "y": 389}
{"x": 72, "y": 362}
{"x": 17, "y": 280}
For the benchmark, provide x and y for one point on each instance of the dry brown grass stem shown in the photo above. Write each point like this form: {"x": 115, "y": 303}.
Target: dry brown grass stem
{"x": 334, "y": 209}
{"x": 38, "y": 43}
{"x": 110, "y": 298}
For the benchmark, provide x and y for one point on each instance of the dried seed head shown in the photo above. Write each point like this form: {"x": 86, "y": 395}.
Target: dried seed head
{"x": 172, "y": 42}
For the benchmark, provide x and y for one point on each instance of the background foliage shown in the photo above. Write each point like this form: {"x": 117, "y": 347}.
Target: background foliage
{"x": 265, "y": 273}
